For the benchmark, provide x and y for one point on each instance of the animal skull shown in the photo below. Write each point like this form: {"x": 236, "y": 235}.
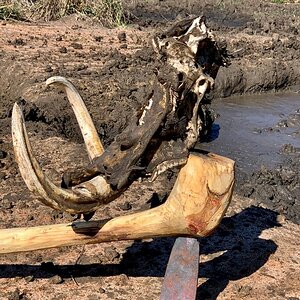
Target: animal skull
{"x": 160, "y": 138}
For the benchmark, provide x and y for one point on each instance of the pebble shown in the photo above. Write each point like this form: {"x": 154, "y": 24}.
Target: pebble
{"x": 3, "y": 154}
{"x": 125, "y": 206}
{"x": 63, "y": 50}
{"x": 111, "y": 253}
{"x": 29, "y": 278}
{"x": 98, "y": 38}
{"x": 56, "y": 279}
{"x": 122, "y": 37}
{"x": 76, "y": 46}
{"x": 48, "y": 69}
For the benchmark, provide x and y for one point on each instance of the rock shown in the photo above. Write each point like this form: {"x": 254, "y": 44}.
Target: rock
{"x": 282, "y": 123}
{"x": 15, "y": 295}
{"x": 3, "y": 154}
{"x": 111, "y": 253}
{"x": 29, "y": 278}
{"x": 86, "y": 260}
{"x": 76, "y": 46}
{"x": 98, "y": 38}
{"x": 63, "y": 50}
{"x": 288, "y": 148}
{"x": 48, "y": 69}
{"x": 122, "y": 37}
{"x": 125, "y": 206}
{"x": 6, "y": 204}
{"x": 56, "y": 279}
{"x": 111, "y": 295}
{"x": 93, "y": 297}
{"x": 18, "y": 42}
{"x": 81, "y": 67}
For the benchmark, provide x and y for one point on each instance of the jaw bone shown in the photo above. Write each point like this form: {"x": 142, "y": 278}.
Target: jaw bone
{"x": 83, "y": 198}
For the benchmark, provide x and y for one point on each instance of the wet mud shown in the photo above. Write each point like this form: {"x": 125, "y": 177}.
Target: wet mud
{"x": 279, "y": 187}
{"x": 262, "y": 134}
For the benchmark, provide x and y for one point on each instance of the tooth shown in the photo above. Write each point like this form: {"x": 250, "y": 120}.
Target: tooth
{"x": 88, "y": 130}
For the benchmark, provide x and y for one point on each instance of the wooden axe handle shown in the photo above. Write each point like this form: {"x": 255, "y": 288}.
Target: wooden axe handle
{"x": 195, "y": 207}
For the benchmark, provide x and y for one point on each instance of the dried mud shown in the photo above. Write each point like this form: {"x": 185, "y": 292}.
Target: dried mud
{"x": 255, "y": 252}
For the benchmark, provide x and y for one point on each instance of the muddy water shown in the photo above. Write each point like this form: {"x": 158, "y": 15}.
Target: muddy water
{"x": 247, "y": 129}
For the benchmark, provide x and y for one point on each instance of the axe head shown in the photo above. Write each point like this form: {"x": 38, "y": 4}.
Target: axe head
{"x": 180, "y": 282}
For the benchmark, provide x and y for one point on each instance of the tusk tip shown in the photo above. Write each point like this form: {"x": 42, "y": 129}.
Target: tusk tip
{"x": 17, "y": 110}
{"x": 58, "y": 80}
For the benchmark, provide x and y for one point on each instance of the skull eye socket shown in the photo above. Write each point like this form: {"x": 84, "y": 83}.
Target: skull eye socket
{"x": 180, "y": 77}
{"x": 202, "y": 82}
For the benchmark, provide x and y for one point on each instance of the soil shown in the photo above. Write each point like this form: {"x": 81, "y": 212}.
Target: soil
{"x": 255, "y": 252}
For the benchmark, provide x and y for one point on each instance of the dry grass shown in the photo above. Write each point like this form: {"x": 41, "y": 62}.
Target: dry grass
{"x": 108, "y": 12}
{"x": 13, "y": 9}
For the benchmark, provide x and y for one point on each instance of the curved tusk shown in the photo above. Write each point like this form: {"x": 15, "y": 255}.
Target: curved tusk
{"x": 26, "y": 165}
{"x": 84, "y": 198}
{"x": 88, "y": 130}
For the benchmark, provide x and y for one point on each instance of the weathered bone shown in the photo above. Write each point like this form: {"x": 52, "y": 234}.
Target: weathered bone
{"x": 195, "y": 207}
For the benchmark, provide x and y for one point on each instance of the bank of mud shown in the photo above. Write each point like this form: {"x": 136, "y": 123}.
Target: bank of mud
{"x": 262, "y": 39}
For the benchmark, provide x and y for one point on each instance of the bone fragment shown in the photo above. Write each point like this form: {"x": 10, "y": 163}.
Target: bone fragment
{"x": 195, "y": 207}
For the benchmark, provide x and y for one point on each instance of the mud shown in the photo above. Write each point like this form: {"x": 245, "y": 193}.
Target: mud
{"x": 279, "y": 188}
{"x": 261, "y": 134}
{"x": 262, "y": 39}
{"x": 255, "y": 251}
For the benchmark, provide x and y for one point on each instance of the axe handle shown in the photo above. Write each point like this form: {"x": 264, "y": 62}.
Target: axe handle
{"x": 145, "y": 224}
{"x": 194, "y": 208}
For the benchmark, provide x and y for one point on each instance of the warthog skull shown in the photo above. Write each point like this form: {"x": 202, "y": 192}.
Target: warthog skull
{"x": 159, "y": 137}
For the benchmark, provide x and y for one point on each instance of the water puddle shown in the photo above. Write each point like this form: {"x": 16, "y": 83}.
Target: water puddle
{"x": 246, "y": 130}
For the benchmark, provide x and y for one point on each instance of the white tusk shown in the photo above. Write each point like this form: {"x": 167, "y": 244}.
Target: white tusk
{"x": 88, "y": 130}
{"x": 26, "y": 165}
{"x": 84, "y": 198}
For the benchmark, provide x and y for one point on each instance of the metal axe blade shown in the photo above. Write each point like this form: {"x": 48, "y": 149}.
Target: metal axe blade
{"x": 181, "y": 277}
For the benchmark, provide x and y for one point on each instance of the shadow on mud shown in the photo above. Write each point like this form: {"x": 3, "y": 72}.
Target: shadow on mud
{"x": 242, "y": 252}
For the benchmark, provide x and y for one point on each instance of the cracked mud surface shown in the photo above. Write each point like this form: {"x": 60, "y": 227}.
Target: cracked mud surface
{"x": 255, "y": 252}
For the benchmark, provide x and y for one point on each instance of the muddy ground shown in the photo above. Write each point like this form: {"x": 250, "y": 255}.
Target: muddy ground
{"x": 254, "y": 254}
